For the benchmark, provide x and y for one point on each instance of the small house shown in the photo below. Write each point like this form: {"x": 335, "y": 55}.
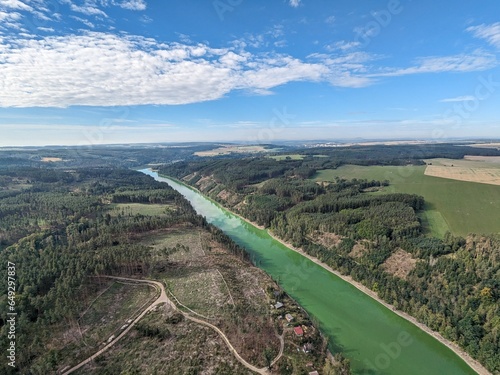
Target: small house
{"x": 289, "y": 318}
{"x": 278, "y": 305}
{"x": 314, "y": 373}
{"x": 298, "y": 331}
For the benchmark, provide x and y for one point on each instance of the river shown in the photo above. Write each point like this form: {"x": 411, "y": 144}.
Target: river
{"x": 374, "y": 338}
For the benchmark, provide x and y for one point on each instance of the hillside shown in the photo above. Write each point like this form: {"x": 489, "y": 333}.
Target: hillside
{"x": 449, "y": 284}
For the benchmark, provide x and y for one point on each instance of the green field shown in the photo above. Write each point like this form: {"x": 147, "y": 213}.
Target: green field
{"x": 458, "y": 206}
{"x": 287, "y": 157}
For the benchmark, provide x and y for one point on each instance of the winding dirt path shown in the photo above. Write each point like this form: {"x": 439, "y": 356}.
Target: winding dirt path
{"x": 164, "y": 299}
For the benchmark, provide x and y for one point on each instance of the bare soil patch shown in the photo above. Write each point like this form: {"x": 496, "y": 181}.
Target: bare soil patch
{"x": 358, "y": 250}
{"x": 326, "y": 239}
{"x": 400, "y": 264}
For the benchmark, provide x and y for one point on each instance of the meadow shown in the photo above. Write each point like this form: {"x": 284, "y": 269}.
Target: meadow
{"x": 457, "y": 206}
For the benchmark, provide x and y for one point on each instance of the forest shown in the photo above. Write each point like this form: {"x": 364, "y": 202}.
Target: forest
{"x": 452, "y": 284}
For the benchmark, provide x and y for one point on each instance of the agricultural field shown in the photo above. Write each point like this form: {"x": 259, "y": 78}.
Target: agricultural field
{"x": 486, "y": 145}
{"x": 460, "y": 207}
{"x": 51, "y": 159}
{"x": 226, "y": 150}
{"x": 485, "y": 170}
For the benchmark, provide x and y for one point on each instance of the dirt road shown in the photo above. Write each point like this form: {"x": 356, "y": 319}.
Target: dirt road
{"x": 164, "y": 299}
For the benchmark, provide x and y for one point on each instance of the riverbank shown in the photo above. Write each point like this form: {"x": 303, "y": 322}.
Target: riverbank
{"x": 473, "y": 364}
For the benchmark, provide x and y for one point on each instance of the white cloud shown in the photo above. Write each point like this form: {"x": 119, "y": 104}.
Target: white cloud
{"x": 9, "y": 16}
{"x": 84, "y": 21}
{"x": 98, "y": 69}
{"x": 458, "y": 99}
{"x": 491, "y": 33}
{"x": 88, "y": 10}
{"x": 46, "y": 29}
{"x": 295, "y": 3}
{"x": 133, "y": 4}
{"x": 15, "y": 4}
{"x": 330, "y": 20}
{"x": 476, "y": 61}
{"x": 342, "y": 46}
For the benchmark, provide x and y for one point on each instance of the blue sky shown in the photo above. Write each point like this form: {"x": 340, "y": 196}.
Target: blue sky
{"x": 119, "y": 71}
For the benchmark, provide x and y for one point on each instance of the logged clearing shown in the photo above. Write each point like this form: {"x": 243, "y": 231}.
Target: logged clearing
{"x": 400, "y": 264}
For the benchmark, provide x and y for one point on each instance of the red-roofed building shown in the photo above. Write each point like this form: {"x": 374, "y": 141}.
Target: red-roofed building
{"x": 298, "y": 331}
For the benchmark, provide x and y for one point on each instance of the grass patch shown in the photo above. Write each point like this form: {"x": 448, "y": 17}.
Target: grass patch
{"x": 458, "y": 206}
{"x": 192, "y": 239}
{"x": 204, "y": 292}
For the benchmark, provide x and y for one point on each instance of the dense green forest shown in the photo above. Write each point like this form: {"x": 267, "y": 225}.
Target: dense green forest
{"x": 58, "y": 232}
{"x": 452, "y": 285}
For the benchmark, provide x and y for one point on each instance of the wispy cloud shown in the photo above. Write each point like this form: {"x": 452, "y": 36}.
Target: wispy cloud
{"x": 84, "y": 21}
{"x": 133, "y": 4}
{"x": 342, "y": 46}
{"x": 15, "y": 4}
{"x": 330, "y": 20}
{"x": 458, "y": 99}
{"x": 476, "y": 61}
{"x": 295, "y": 3}
{"x": 88, "y": 10}
{"x": 490, "y": 33}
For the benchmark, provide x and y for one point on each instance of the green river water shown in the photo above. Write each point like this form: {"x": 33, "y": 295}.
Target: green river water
{"x": 375, "y": 339}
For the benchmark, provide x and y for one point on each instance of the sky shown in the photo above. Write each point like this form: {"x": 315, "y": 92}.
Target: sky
{"x": 80, "y": 72}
